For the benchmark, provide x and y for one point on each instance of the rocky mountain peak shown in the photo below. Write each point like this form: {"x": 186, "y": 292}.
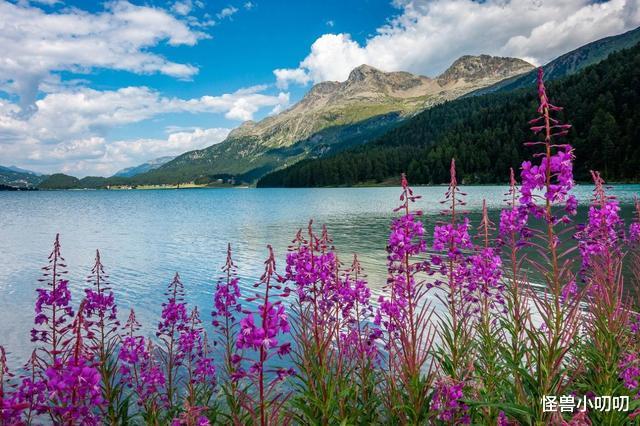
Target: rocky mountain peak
{"x": 363, "y": 73}
{"x": 470, "y": 68}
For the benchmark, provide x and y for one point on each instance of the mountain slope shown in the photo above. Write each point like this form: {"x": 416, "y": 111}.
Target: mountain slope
{"x": 143, "y": 168}
{"x": 13, "y": 176}
{"x": 569, "y": 63}
{"x": 335, "y": 115}
{"x": 485, "y": 134}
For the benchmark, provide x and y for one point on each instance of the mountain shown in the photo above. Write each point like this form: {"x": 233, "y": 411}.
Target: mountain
{"x": 16, "y": 177}
{"x": 485, "y": 134}
{"x": 334, "y": 116}
{"x": 59, "y": 181}
{"x": 144, "y": 167}
{"x": 569, "y": 63}
{"x": 20, "y": 170}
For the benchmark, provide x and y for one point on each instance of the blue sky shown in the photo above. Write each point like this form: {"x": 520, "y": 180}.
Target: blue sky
{"x": 88, "y": 88}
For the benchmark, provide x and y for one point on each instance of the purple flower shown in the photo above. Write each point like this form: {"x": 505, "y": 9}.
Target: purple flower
{"x": 226, "y": 299}
{"x": 452, "y": 237}
{"x": 73, "y": 384}
{"x": 483, "y": 280}
{"x": 263, "y": 339}
{"x": 600, "y": 236}
{"x": 54, "y": 301}
{"x": 274, "y": 322}
{"x": 446, "y": 402}
{"x": 630, "y": 372}
{"x": 553, "y": 175}
{"x": 100, "y": 307}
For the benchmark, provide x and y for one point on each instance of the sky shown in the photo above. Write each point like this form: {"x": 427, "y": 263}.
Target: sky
{"x": 88, "y": 88}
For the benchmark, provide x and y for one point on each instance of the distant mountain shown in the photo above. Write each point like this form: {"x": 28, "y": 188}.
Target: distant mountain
{"x": 143, "y": 168}
{"x": 485, "y": 134}
{"x": 20, "y": 170}
{"x": 334, "y": 116}
{"x": 569, "y": 63}
{"x": 59, "y": 181}
{"x": 16, "y": 177}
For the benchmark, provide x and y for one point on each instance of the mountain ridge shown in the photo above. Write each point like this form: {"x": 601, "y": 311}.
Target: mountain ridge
{"x": 144, "y": 167}
{"x": 316, "y": 124}
{"x": 485, "y": 134}
{"x": 568, "y": 63}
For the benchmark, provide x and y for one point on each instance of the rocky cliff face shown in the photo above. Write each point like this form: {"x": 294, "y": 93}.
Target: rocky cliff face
{"x": 483, "y": 68}
{"x": 331, "y": 109}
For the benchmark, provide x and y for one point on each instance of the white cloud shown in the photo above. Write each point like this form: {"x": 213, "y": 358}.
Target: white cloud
{"x": 36, "y": 44}
{"x": 96, "y": 156}
{"x": 428, "y": 35}
{"x": 284, "y": 77}
{"x": 126, "y": 153}
{"x": 249, "y": 5}
{"x": 227, "y": 12}
{"x": 330, "y": 23}
{"x": 182, "y": 7}
{"x": 68, "y": 130}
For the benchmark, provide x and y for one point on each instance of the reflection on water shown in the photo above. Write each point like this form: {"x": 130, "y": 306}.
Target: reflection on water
{"x": 146, "y": 236}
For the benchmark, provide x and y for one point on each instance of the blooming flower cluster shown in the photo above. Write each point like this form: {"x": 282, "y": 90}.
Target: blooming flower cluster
{"x": 452, "y": 237}
{"x": 311, "y": 265}
{"x": 483, "y": 281}
{"x": 274, "y": 322}
{"x": 554, "y": 173}
{"x": 601, "y": 234}
{"x": 630, "y": 372}
{"x": 100, "y": 306}
{"x": 447, "y": 404}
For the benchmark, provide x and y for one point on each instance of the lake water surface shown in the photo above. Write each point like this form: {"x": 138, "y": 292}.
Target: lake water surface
{"x": 144, "y": 237}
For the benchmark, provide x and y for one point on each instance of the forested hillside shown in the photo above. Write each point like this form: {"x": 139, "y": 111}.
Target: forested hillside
{"x": 485, "y": 134}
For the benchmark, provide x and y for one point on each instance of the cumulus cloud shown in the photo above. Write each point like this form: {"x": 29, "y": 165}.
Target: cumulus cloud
{"x": 428, "y": 35}
{"x": 68, "y": 129}
{"x": 227, "y": 12}
{"x": 36, "y": 44}
{"x": 97, "y": 156}
{"x": 286, "y": 76}
{"x": 182, "y": 7}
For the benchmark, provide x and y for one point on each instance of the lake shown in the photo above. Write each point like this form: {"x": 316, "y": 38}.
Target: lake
{"x": 144, "y": 237}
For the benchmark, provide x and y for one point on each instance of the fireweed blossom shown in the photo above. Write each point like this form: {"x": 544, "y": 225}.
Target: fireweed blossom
{"x": 53, "y": 308}
{"x": 263, "y": 338}
{"x": 406, "y": 241}
{"x": 447, "y": 402}
{"x": 405, "y": 313}
{"x": 102, "y": 328}
{"x": 73, "y": 382}
{"x": 630, "y": 373}
{"x": 512, "y": 228}
{"x": 174, "y": 320}
{"x": 139, "y": 371}
{"x": 601, "y": 235}
{"x": 193, "y": 346}
{"x": 452, "y": 237}
{"x": 359, "y": 336}
{"x": 227, "y": 307}
{"x": 545, "y": 194}
{"x": 100, "y": 307}
{"x": 553, "y": 174}
{"x": 11, "y": 405}
{"x": 311, "y": 266}
{"x": 483, "y": 287}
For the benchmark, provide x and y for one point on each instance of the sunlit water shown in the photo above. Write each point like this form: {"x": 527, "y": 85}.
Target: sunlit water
{"x": 145, "y": 237}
